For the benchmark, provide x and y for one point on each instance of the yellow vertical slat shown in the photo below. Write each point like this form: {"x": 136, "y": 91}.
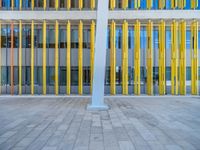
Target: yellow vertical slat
{"x": 149, "y": 57}
{"x": 12, "y": 4}
{"x": 136, "y": 4}
{"x": 20, "y": 57}
{"x": 20, "y": 4}
{"x": 56, "y": 56}
{"x": 80, "y": 58}
{"x": 32, "y": 57}
{"x": 174, "y": 58}
{"x": 161, "y": 4}
{"x": 92, "y": 48}
{"x": 68, "y": 58}
{"x": 149, "y": 4}
{"x": 44, "y": 59}
{"x": 194, "y": 4}
{"x": 0, "y": 59}
{"x": 112, "y": 58}
{"x": 174, "y": 4}
{"x": 80, "y": 4}
{"x": 56, "y": 4}
{"x": 137, "y": 58}
{"x": 181, "y": 4}
{"x": 194, "y": 58}
{"x": 68, "y": 4}
{"x": 32, "y": 4}
{"x": 182, "y": 56}
{"x": 44, "y": 4}
{"x": 125, "y": 58}
{"x": 112, "y": 4}
{"x": 162, "y": 58}
{"x": 92, "y": 4}
{"x": 124, "y": 4}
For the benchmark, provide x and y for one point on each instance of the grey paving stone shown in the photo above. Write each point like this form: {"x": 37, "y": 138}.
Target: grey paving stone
{"x": 131, "y": 123}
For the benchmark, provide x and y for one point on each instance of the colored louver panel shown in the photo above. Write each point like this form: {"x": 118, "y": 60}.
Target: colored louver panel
{"x": 149, "y": 57}
{"x": 112, "y": 58}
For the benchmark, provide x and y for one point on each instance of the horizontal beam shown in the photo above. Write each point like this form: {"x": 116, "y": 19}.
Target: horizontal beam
{"x": 91, "y": 15}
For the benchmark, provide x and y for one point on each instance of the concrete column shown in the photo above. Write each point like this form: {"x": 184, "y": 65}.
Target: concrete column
{"x": 100, "y": 57}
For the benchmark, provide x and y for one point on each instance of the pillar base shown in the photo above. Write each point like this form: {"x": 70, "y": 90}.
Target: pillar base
{"x": 91, "y": 107}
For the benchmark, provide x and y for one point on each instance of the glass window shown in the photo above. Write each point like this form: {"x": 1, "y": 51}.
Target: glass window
{"x": 143, "y": 75}
{"x": 38, "y": 3}
{"x": 168, "y": 73}
{"x": 86, "y": 4}
{"x": 26, "y": 4}
{"x": 28, "y": 75}
{"x": 131, "y": 4}
{"x": 74, "y": 76}
{"x": 16, "y": 37}
{"x": 63, "y": 40}
{"x": 35, "y": 36}
{"x": 188, "y": 73}
{"x": 16, "y": 78}
{"x": 51, "y": 36}
{"x": 74, "y": 38}
{"x": 188, "y": 34}
{"x": 118, "y": 4}
{"x": 86, "y": 76}
{"x": 118, "y": 37}
{"x": 4, "y": 36}
{"x": 118, "y": 75}
{"x": 168, "y": 38}
{"x": 108, "y": 39}
{"x": 155, "y": 4}
{"x": 130, "y": 38}
{"x": 28, "y": 36}
{"x": 16, "y": 3}
{"x": 8, "y": 36}
{"x": 62, "y": 76}
{"x": 130, "y": 76}
{"x": 107, "y": 77}
{"x": 6, "y": 4}
{"x": 51, "y": 77}
{"x": 51, "y": 3}
{"x": 143, "y": 38}
{"x": 62, "y": 3}
{"x": 39, "y": 37}
{"x": 39, "y": 75}
{"x": 155, "y": 39}
{"x": 86, "y": 38}
{"x": 155, "y": 74}
{"x": 74, "y": 3}
{"x": 4, "y": 75}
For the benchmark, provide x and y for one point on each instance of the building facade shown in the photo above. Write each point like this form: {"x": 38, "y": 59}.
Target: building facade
{"x": 48, "y": 46}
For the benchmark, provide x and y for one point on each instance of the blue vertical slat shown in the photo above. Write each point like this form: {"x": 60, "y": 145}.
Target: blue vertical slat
{"x": 168, "y": 4}
{"x": 143, "y": 4}
{"x": 16, "y": 3}
{"x": 131, "y": 4}
{"x": 155, "y": 4}
{"x": 187, "y": 4}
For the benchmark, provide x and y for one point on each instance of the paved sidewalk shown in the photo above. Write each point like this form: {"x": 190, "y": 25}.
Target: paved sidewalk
{"x": 132, "y": 123}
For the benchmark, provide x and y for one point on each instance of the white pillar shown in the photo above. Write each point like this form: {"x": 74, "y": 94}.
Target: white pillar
{"x": 100, "y": 57}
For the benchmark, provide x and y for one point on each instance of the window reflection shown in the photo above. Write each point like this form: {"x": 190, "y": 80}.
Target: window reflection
{"x": 74, "y": 38}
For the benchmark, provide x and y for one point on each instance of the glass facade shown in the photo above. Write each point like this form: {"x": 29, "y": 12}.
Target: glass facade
{"x": 50, "y": 4}
{"x": 7, "y": 41}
